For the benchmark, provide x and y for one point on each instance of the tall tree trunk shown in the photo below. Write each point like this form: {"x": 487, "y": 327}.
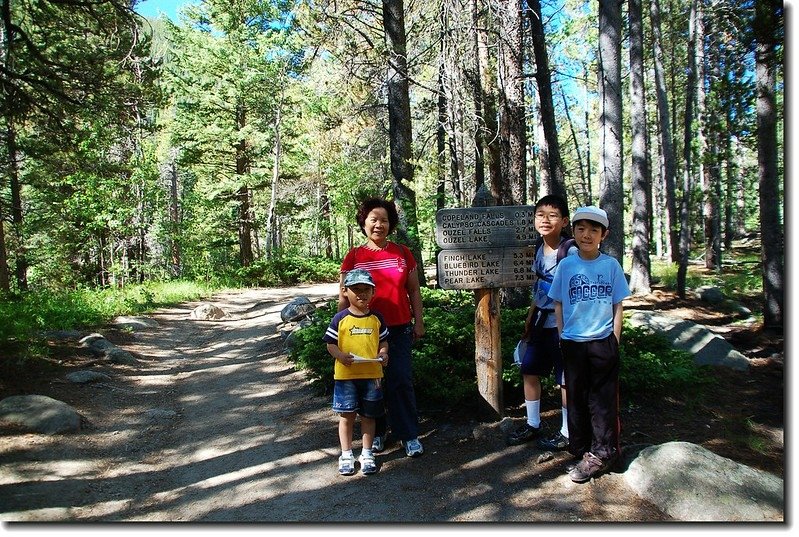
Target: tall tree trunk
{"x": 573, "y": 132}
{"x": 174, "y": 217}
{"x": 729, "y": 183}
{"x": 513, "y": 131}
{"x": 441, "y": 123}
{"x": 712, "y": 177}
{"x": 12, "y": 170}
{"x": 641, "y": 182}
{"x": 400, "y": 131}
{"x": 551, "y": 152}
{"x": 327, "y": 224}
{"x": 5, "y": 45}
{"x": 666, "y": 145}
{"x": 243, "y": 195}
{"x": 586, "y": 117}
{"x": 704, "y": 157}
{"x": 475, "y": 80}
{"x": 271, "y": 219}
{"x": 690, "y": 96}
{"x": 768, "y": 23}
{"x": 5, "y": 281}
{"x": 489, "y": 119}
{"x": 611, "y": 197}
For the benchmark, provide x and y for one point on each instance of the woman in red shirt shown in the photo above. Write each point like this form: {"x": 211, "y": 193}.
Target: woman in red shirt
{"x": 398, "y": 299}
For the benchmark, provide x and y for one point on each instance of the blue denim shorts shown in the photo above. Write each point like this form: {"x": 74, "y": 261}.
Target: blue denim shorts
{"x": 364, "y": 396}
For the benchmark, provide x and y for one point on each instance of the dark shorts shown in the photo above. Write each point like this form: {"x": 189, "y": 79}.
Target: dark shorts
{"x": 543, "y": 356}
{"x": 364, "y": 396}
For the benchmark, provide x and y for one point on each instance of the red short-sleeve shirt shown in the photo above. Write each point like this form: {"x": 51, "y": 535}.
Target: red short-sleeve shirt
{"x": 389, "y": 268}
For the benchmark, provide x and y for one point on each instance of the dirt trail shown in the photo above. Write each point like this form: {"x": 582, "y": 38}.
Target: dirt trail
{"x": 250, "y": 442}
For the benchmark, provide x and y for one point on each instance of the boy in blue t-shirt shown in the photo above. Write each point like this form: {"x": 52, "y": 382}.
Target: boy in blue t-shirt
{"x": 358, "y": 339}
{"x": 588, "y": 290}
{"x": 543, "y": 356}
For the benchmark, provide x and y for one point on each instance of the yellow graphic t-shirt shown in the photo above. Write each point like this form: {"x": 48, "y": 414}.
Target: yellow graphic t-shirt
{"x": 360, "y": 335}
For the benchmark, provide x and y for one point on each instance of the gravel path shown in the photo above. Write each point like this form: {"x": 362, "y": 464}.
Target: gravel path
{"x": 213, "y": 424}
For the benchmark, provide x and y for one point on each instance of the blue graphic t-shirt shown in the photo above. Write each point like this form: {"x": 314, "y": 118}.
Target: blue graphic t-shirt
{"x": 544, "y": 266}
{"x": 588, "y": 290}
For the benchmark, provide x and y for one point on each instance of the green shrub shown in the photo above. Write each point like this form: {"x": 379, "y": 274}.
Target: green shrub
{"x": 649, "y": 364}
{"x": 444, "y": 366}
{"x": 289, "y": 267}
{"x": 23, "y": 319}
{"x": 309, "y": 353}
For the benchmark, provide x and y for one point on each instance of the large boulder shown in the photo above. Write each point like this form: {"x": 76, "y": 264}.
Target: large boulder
{"x": 690, "y": 483}
{"x": 37, "y": 414}
{"x": 708, "y": 348}
{"x": 298, "y": 308}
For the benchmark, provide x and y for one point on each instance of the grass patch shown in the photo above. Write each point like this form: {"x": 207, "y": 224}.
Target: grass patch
{"x": 24, "y": 319}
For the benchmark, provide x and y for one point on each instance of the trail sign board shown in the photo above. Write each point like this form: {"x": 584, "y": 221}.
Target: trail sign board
{"x": 486, "y": 227}
{"x": 486, "y": 268}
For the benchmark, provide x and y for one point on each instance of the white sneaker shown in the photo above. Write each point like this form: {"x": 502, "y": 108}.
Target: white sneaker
{"x": 368, "y": 465}
{"x": 346, "y": 465}
{"x": 378, "y": 444}
{"x": 413, "y": 448}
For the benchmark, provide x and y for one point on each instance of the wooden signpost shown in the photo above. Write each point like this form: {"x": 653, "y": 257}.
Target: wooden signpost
{"x": 484, "y": 249}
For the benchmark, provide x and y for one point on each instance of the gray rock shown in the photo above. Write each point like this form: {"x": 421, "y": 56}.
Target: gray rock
{"x": 91, "y": 338}
{"x": 710, "y": 293}
{"x": 38, "y": 414}
{"x": 119, "y": 356}
{"x": 83, "y": 377}
{"x": 96, "y": 343}
{"x": 135, "y": 323}
{"x": 206, "y": 312}
{"x": 690, "y": 483}
{"x": 297, "y": 309}
{"x": 708, "y": 348}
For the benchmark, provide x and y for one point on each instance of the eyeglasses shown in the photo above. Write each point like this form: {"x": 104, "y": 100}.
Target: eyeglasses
{"x": 550, "y": 217}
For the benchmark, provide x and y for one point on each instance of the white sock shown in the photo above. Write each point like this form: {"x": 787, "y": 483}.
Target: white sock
{"x": 533, "y": 412}
{"x": 564, "y": 426}
{"x": 347, "y": 453}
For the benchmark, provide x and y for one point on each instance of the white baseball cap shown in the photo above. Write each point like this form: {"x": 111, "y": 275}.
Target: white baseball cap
{"x": 595, "y": 214}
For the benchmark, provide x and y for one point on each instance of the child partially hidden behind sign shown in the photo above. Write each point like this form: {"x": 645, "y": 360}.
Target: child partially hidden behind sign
{"x": 540, "y": 329}
{"x": 358, "y": 339}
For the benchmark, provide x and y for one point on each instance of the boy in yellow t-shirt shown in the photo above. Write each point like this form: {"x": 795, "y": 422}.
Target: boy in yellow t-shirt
{"x": 358, "y": 339}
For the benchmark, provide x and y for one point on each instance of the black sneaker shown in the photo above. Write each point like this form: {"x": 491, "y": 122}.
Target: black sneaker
{"x": 523, "y": 434}
{"x": 556, "y": 442}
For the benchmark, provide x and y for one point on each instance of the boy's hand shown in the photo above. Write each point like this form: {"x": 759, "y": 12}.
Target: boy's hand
{"x": 345, "y": 359}
{"x": 383, "y": 359}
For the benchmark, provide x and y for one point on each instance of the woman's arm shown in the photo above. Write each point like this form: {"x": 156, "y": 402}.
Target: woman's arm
{"x": 415, "y": 297}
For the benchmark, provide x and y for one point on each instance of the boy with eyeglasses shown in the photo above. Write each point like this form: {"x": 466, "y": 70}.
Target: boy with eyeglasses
{"x": 540, "y": 329}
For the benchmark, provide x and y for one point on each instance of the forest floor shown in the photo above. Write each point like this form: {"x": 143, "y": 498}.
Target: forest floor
{"x": 250, "y": 441}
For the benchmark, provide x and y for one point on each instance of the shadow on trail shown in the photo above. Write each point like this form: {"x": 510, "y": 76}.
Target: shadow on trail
{"x": 250, "y": 442}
